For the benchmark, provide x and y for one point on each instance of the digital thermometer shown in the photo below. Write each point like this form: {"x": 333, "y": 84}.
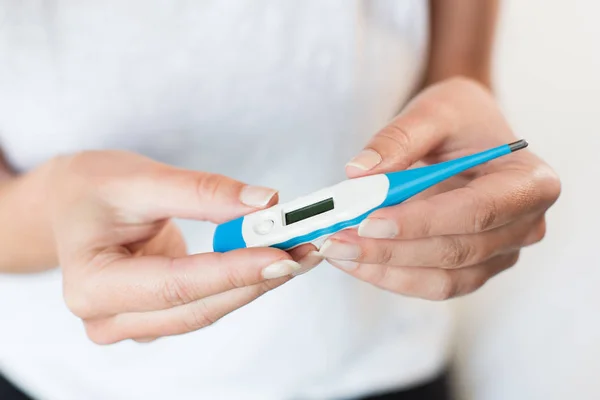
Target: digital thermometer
{"x": 341, "y": 206}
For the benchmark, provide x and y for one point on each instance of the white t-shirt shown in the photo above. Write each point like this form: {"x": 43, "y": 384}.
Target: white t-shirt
{"x": 273, "y": 93}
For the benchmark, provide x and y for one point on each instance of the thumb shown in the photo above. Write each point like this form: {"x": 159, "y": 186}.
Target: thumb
{"x": 179, "y": 193}
{"x": 408, "y": 138}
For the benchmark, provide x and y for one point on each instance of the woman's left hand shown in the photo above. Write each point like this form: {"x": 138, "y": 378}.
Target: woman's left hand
{"x": 451, "y": 239}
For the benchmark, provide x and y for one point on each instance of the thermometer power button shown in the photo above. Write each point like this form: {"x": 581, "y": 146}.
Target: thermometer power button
{"x": 264, "y": 227}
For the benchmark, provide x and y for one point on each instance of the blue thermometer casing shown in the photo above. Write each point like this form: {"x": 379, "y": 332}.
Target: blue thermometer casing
{"x": 344, "y": 205}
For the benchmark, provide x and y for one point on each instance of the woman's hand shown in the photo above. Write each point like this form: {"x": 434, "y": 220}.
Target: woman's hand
{"x": 125, "y": 269}
{"x": 441, "y": 245}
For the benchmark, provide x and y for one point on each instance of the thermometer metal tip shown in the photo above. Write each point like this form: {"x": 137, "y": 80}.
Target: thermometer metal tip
{"x": 518, "y": 145}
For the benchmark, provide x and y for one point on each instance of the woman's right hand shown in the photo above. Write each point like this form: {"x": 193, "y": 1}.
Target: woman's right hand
{"x": 126, "y": 272}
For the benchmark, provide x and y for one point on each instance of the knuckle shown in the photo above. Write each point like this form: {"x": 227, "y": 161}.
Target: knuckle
{"x": 235, "y": 279}
{"x": 455, "y": 252}
{"x": 78, "y": 304}
{"x": 512, "y": 259}
{"x": 385, "y": 253}
{"x": 209, "y": 185}
{"x": 485, "y": 215}
{"x": 383, "y": 277}
{"x": 98, "y": 337}
{"x": 398, "y": 137}
{"x": 176, "y": 288}
{"x": 541, "y": 186}
{"x": 446, "y": 287}
{"x": 478, "y": 281}
{"x": 401, "y": 228}
{"x": 424, "y": 228}
{"x": 554, "y": 189}
{"x": 270, "y": 284}
{"x": 78, "y": 299}
{"x": 200, "y": 316}
{"x": 549, "y": 184}
{"x": 538, "y": 232}
{"x": 98, "y": 334}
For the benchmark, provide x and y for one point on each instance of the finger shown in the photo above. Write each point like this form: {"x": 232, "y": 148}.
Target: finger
{"x": 406, "y": 140}
{"x": 307, "y": 256}
{"x": 433, "y": 283}
{"x": 426, "y": 123}
{"x": 135, "y": 284}
{"x": 487, "y": 202}
{"x": 450, "y": 251}
{"x": 298, "y": 253}
{"x": 172, "y": 192}
{"x": 182, "y": 319}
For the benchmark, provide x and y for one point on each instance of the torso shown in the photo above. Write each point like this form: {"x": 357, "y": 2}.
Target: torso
{"x": 271, "y": 93}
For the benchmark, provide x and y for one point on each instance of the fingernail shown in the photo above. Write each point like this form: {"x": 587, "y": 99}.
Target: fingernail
{"x": 378, "y": 228}
{"x": 256, "y": 196}
{"x": 339, "y": 250}
{"x": 308, "y": 262}
{"x": 346, "y": 265}
{"x": 280, "y": 268}
{"x": 366, "y": 160}
{"x": 145, "y": 340}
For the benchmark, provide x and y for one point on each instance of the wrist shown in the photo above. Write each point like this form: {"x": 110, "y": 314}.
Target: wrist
{"x": 482, "y": 76}
{"x": 26, "y": 238}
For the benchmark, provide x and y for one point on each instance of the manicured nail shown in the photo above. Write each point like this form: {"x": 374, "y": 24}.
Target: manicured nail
{"x": 280, "y": 268}
{"x": 366, "y": 160}
{"x": 308, "y": 262}
{"x": 378, "y": 228}
{"x": 256, "y": 196}
{"x": 346, "y": 265}
{"x": 339, "y": 250}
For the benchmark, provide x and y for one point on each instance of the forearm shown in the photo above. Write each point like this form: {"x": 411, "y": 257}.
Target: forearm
{"x": 26, "y": 240}
{"x": 461, "y": 39}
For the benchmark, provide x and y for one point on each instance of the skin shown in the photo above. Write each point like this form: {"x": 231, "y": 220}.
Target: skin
{"x": 105, "y": 217}
{"x": 462, "y": 37}
{"x": 450, "y": 240}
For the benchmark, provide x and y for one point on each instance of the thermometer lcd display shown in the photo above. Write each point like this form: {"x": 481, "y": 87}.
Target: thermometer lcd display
{"x": 309, "y": 211}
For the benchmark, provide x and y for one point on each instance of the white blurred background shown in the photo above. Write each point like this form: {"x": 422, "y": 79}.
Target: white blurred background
{"x": 534, "y": 331}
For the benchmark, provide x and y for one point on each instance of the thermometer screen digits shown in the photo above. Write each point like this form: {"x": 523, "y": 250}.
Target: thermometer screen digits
{"x": 309, "y": 211}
